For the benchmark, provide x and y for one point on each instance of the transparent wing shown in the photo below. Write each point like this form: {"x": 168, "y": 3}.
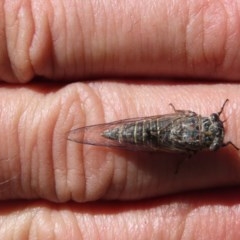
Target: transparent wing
{"x": 92, "y": 135}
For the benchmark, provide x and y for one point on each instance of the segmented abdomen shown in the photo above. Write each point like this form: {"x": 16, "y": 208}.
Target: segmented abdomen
{"x": 145, "y": 132}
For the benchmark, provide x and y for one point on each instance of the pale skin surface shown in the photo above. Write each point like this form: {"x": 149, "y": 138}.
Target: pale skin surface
{"x": 58, "y": 185}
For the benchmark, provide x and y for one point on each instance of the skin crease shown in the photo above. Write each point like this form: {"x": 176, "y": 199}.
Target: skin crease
{"x": 54, "y": 188}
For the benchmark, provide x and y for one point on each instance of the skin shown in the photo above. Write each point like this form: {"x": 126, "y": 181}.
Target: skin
{"x": 78, "y": 63}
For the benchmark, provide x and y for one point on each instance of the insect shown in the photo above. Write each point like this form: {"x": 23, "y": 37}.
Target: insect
{"x": 182, "y": 131}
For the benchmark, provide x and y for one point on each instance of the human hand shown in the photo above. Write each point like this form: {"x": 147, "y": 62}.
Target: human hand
{"x": 135, "y": 50}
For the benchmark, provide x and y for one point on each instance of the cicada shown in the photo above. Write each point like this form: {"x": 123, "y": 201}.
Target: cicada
{"x": 182, "y": 131}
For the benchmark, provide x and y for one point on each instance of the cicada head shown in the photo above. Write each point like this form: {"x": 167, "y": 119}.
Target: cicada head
{"x": 216, "y": 131}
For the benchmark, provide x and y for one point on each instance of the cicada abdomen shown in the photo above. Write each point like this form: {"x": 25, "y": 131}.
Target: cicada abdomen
{"x": 181, "y": 131}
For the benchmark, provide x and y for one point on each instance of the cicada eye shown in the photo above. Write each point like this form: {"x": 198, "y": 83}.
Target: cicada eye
{"x": 214, "y": 117}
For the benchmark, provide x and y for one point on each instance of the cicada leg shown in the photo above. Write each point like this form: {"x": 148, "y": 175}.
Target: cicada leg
{"x": 183, "y": 112}
{"x": 230, "y": 143}
{"x": 176, "y": 110}
{"x": 221, "y": 110}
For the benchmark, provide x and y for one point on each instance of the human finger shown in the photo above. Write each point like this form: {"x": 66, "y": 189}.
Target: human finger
{"x": 86, "y": 39}
{"x": 38, "y": 160}
{"x": 208, "y": 215}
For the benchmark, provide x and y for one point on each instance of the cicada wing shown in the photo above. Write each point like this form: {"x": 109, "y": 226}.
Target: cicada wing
{"x": 93, "y": 135}
{"x": 89, "y": 135}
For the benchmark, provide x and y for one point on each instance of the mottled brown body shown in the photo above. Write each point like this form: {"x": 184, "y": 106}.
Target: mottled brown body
{"x": 182, "y": 132}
